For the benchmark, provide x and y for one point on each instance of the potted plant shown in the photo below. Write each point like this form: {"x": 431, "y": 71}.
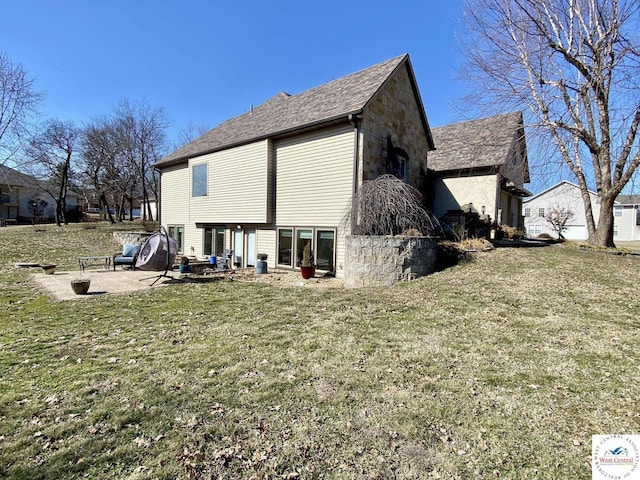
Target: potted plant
{"x": 81, "y": 285}
{"x": 307, "y": 267}
{"x": 184, "y": 265}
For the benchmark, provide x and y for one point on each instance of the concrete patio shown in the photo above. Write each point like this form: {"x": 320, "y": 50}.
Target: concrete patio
{"x": 102, "y": 282}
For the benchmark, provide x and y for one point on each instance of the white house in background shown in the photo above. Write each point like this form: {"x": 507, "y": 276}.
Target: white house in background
{"x": 18, "y": 191}
{"x": 567, "y": 195}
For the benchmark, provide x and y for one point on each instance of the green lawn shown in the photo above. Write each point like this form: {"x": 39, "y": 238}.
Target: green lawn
{"x": 499, "y": 368}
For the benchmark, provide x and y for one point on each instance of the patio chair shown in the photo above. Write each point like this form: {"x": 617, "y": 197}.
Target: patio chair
{"x": 128, "y": 256}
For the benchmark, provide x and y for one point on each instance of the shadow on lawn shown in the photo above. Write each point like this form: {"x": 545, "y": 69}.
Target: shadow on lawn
{"x": 524, "y": 243}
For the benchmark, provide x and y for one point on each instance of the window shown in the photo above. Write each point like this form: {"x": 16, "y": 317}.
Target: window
{"x": 285, "y": 244}
{"x": 541, "y": 212}
{"x": 615, "y": 230}
{"x": 527, "y": 212}
{"x": 534, "y": 230}
{"x": 302, "y": 238}
{"x": 213, "y": 241}
{"x": 199, "y": 180}
{"x": 617, "y": 211}
{"x": 325, "y": 245}
{"x": 177, "y": 233}
{"x": 5, "y": 198}
{"x": 322, "y": 242}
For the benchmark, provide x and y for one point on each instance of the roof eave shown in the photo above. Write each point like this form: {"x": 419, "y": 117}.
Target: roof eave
{"x": 288, "y": 131}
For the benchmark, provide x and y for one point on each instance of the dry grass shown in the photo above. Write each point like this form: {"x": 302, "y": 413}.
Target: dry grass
{"x": 502, "y": 367}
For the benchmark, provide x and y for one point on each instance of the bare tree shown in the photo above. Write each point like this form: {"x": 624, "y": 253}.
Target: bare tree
{"x": 144, "y": 131}
{"x": 51, "y": 153}
{"x": 189, "y": 133}
{"x": 100, "y": 153}
{"x": 558, "y": 217}
{"x": 118, "y": 152}
{"x": 575, "y": 66}
{"x": 388, "y": 206}
{"x": 18, "y": 102}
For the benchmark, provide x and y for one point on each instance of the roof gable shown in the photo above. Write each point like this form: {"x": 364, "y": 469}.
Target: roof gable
{"x": 562, "y": 183}
{"x": 480, "y": 143}
{"x": 284, "y": 113}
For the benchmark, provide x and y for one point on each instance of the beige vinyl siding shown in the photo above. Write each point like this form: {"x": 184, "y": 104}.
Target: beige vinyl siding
{"x": 237, "y": 186}
{"x": 175, "y": 195}
{"x": 266, "y": 243}
{"x": 314, "y": 177}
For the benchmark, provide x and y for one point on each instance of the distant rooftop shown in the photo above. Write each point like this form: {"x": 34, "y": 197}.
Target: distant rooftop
{"x": 9, "y": 176}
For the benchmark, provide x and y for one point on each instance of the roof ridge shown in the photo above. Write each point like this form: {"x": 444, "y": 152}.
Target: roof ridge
{"x": 481, "y": 119}
{"x": 284, "y": 113}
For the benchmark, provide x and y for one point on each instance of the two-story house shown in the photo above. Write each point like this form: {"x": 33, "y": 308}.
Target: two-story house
{"x": 21, "y": 200}
{"x": 284, "y": 173}
{"x": 566, "y": 196}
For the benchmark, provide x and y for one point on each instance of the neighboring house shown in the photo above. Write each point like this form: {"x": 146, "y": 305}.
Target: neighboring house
{"x": 567, "y": 195}
{"x": 481, "y": 162}
{"x": 283, "y": 174}
{"x": 19, "y": 193}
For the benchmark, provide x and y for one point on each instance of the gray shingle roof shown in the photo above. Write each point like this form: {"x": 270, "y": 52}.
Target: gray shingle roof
{"x": 484, "y": 142}
{"x": 285, "y": 113}
{"x": 9, "y": 176}
{"x": 628, "y": 199}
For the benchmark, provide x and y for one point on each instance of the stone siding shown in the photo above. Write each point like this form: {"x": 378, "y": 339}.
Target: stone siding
{"x": 384, "y": 260}
{"x": 394, "y": 113}
{"x": 132, "y": 238}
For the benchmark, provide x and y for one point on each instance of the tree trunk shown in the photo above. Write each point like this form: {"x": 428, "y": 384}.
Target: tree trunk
{"x": 104, "y": 205}
{"x": 603, "y": 235}
{"x": 130, "y": 199}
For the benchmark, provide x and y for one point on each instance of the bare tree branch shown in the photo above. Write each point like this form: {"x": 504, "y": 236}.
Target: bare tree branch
{"x": 574, "y": 65}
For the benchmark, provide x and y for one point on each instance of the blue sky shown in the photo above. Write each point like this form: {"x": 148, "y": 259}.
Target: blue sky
{"x": 206, "y": 61}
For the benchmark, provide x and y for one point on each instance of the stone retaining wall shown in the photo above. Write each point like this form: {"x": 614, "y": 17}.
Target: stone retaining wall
{"x": 132, "y": 238}
{"x": 385, "y": 260}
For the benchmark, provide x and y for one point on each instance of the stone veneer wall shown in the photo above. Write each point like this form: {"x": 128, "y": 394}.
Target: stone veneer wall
{"x": 385, "y": 260}
{"x": 394, "y": 113}
{"x": 132, "y": 238}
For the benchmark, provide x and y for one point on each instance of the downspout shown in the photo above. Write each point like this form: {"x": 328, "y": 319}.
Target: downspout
{"x": 159, "y": 196}
{"x": 354, "y": 120}
{"x": 497, "y": 211}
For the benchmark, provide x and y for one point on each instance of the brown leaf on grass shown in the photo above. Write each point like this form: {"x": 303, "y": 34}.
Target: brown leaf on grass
{"x": 193, "y": 422}
{"x": 141, "y": 442}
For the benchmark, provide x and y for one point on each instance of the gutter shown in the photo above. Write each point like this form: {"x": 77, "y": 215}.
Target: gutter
{"x": 271, "y": 135}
